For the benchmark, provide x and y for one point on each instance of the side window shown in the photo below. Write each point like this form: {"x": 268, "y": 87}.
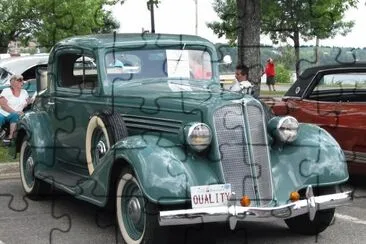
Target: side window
{"x": 339, "y": 87}
{"x": 30, "y": 74}
{"x": 77, "y": 71}
{"x": 339, "y": 82}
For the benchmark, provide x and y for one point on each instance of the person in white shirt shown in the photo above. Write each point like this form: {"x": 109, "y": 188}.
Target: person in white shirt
{"x": 12, "y": 102}
{"x": 241, "y": 80}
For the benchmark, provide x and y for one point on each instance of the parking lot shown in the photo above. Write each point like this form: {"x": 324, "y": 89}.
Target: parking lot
{"x": 63, "y": 219}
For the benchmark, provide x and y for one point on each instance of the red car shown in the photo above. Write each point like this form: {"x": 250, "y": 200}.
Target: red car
{"x": 333, "y": 97}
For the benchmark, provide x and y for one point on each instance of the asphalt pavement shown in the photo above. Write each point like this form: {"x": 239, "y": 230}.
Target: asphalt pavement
{"x": 63, "y": 219}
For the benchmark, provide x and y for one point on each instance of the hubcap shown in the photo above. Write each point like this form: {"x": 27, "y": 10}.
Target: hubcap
{"x": 134, "y": 210}
{"x": 28, "y": 166}
{"x": 101, "y": 148}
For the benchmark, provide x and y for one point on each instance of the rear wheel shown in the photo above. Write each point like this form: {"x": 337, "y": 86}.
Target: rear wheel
{"x": 303, "y": 225}
{"x": 34, "y": 188}
{"x": 137, "y": 217}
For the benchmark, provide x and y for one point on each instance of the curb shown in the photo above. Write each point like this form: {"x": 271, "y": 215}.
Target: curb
{"x": 9, "y": 170}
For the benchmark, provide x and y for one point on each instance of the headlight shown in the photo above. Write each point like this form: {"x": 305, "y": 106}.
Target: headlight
{"x": 284, "y": 128}
{"x": 198, "y": 136}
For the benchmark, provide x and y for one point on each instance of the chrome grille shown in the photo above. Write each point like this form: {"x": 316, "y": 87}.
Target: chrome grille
{"x": 234, "y": 154}
{"x": 244, "y": 158}
{"x": 260, "y": 152}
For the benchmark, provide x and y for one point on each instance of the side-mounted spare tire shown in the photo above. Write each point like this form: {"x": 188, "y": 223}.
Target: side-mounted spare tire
{"x": 104, "y": 130}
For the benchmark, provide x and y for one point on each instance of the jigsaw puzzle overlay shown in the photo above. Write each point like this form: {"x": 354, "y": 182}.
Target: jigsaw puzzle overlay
{"x": 63, "y": 218}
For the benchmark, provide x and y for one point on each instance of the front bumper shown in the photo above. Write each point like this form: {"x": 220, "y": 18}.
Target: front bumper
{"x": 235, "y": 213}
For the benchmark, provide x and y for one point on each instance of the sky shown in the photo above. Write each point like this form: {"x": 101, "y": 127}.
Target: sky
{"x": 178, "y": 17}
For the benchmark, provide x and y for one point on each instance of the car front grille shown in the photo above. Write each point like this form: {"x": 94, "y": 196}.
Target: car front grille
{"x": 244, "y": 152}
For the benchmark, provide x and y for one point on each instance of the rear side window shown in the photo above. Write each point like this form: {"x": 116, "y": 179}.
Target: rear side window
{"x": 77, "y": 71}
{"x": 336, "y": 82}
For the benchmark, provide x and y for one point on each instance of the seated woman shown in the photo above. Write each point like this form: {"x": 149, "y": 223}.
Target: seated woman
{"x": 12, "y": 102}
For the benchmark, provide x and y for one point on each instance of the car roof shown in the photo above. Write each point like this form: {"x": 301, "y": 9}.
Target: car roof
{"x": 17, "y": 65}
{"x": 141, "y": 39}
{"x": 306, "y": 77}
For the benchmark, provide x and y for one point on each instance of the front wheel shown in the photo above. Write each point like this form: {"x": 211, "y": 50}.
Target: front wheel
{"x": 137, "y": 217}
{"x": 303, "y": 225}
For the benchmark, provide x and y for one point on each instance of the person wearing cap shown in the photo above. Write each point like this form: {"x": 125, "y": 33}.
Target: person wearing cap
{"x": 12, "y": 102}
{"x": 270, "y": 74}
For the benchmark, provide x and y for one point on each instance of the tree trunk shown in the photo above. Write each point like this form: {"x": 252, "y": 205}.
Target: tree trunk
{"x": 249, "y": 13}
{"x": 4, "y": 41}
{"x": 317, "y": 52}
{"x": 297, "y": 52}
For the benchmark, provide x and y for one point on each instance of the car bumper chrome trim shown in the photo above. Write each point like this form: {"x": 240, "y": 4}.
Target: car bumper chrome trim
{"x": 359, "y": 157}
{"x": 236, "y": 213}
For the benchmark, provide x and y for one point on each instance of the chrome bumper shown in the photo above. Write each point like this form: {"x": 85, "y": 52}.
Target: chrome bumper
{"x": 238, "y": 213}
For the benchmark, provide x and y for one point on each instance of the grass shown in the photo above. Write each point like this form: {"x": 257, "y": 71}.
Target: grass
{"x": 4, "y": 155}
{"x": 272, "y": 93}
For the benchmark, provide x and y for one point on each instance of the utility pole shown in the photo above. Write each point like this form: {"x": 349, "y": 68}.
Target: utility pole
{"x": 196, "y": 5}
{"x": 150, "y": 7}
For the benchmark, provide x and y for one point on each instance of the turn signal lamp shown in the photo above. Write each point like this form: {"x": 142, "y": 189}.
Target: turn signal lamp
{"x": 294, "y": 196}
{"x": 245, "y": 201}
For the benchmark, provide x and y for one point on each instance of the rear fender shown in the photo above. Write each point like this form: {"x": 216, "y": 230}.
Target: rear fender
{"x": 38, "y": 128}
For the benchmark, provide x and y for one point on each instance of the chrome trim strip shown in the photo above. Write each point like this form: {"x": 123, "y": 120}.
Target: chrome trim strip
{"x": 149, "y": 118}
{"x": 235, "y": 213}
{"x": 359, "y": 157}
{"x": 154, "y": 128}
{"x": 259, "y": 174}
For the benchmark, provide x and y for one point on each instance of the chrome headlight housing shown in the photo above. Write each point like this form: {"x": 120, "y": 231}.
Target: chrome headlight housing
{"x": 198, "y": 136}
{"x": 284, "y": 129}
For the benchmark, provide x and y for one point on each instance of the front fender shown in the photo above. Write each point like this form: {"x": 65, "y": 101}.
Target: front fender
{"x": 38, "y": 128}
{"x": 314, "y": 158}
{"x": 165, "y": 171}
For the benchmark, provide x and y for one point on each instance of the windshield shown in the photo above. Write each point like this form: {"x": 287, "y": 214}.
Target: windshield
{"x": 186, "y": 64}
{"x": 4, "y": 76}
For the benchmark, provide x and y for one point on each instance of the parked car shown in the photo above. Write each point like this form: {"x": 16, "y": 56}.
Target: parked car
{"x": 167, "y": 149}
{"x": 25, "y": 66}
{"x": 333, "y": 97}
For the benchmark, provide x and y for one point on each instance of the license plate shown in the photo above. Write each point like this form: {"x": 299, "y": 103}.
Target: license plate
{"x": 210, "y": 195}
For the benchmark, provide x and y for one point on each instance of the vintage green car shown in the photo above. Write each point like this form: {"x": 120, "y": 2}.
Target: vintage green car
{"x": 140, "y": 122}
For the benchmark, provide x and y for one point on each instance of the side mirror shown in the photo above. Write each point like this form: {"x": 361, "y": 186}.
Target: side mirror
{"x": 41, "y": 76}
{"x": 227, "y": 59}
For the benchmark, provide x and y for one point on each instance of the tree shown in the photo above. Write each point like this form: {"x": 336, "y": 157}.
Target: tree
{"x": 289, "y": 19}
{"x": 248, "y": 32}
{"x": 241, "y": 25}
{"x": 61, "y": 19}
{"x": 12, "y": 24}
{"x": 48, "y": 21}
{"x": 307, "y": 19}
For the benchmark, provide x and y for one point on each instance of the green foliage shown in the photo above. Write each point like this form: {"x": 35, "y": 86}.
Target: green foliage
{"x": 283, "y": 75}
{"x": 285, "y": 19}
{"x": 4, "y": 154}
{"x": 48, "y": 21}
{"x": 226, "y": 11}
{"x": 310, "y": 19}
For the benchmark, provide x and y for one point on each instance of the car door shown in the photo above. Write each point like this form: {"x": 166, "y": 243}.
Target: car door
{"x": 338, "y": 104}
{"x": 76, "y": 93}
